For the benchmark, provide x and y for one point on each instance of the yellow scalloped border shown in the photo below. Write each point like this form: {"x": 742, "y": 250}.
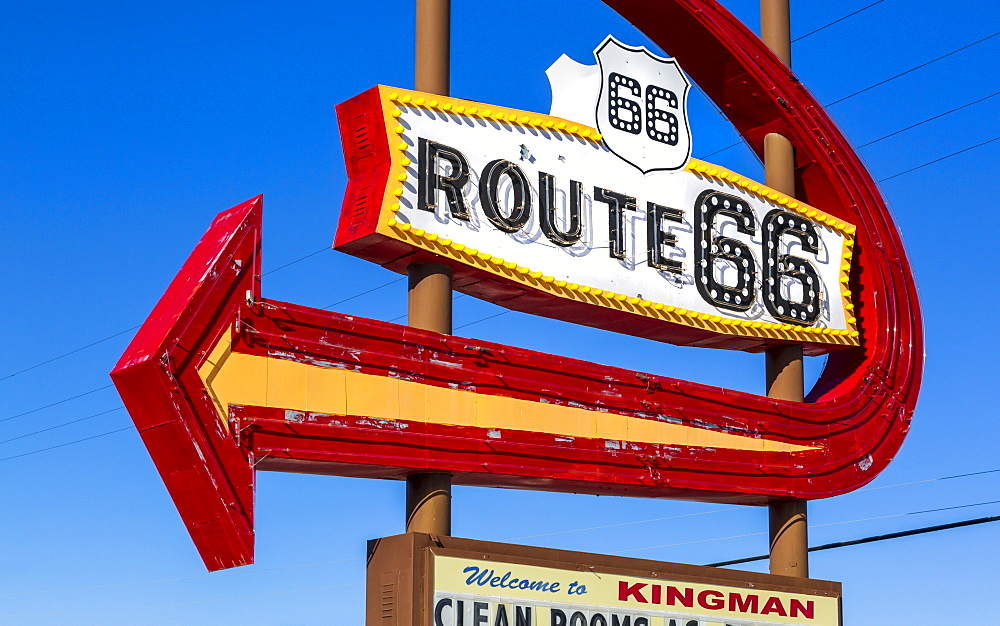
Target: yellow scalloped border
{"x": 392, "y": 99}
{"x": 707, "y": 170}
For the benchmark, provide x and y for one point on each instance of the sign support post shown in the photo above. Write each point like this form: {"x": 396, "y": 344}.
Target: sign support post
{"x": 788, "y": 528}
{"x": 428, "y": 495}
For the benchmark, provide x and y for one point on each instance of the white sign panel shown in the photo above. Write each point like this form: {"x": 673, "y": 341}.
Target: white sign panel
{"x": 572, "y": 211}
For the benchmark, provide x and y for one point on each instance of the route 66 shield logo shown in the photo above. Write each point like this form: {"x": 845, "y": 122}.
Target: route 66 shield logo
{"x": 642, "y": 109}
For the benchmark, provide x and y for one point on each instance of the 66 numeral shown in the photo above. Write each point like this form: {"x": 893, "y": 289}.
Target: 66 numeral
{"x": 627, "y": 115}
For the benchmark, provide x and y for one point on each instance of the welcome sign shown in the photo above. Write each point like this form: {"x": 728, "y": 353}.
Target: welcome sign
{"x": 474, "y": 583}
{"x": 470, "y": 591}
{"x": 617, "y": 229}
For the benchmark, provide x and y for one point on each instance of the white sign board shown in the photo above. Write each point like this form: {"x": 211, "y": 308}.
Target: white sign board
{"x": 570, "y": 210}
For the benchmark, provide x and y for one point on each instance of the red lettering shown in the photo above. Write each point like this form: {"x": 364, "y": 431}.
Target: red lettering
{"x": 739, "y": 604}
{"x": 635, "y": 590}
{"x": 686, "y": 598}
{"x": 657, "y": 594}
{"x": 773, "y": 605}
{"x": 717, "y": 600}
{"x": 809, "y": 610}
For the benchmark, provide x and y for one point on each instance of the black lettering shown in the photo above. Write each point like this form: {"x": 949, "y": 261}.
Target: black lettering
{"x": 598, "y": 620}
{"x": 501, "y": 618}
{"x": 777, "y": 266}
{"x": 489, "y": 192}
{"x": 623, "y": 113}
{"x": 709, "y": 248}
{"x": 522, "y": 616}
{"x": 480, "y": 613}
{"x": 667, "y": 131}
{"x": 430, "y": 182}
{"x": 459, "y": 613}
{"x": 547, "y": 208}
{"x": 578, "y": 619}
{"x": 642, "y": 621}
{"x": 656, "y": 238}
{"x": 438, "y": 609}
{"x": 558, "y": 618}
{"x": 617, "y": 203}
{"x": 624, "y": 620}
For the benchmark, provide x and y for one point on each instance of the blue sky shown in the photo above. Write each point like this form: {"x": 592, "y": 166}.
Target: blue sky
{"x": 125, "y": 127}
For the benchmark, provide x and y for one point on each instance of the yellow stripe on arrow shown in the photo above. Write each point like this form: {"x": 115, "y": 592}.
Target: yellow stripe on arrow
{"x": 252, "y": 380}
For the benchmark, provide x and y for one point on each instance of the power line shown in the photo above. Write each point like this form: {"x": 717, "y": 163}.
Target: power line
{"x": 729, "y": 147}
{"x": 56, "y": 358}
{"x": 913, "y": 69}
{"x": 240, "y": 570}
{"x": 128, "y": 330}
{"x": 719, "y": 564}
{"x": 404, "y": 315}
{"x": 68, "y": 443}
{"x": 76, "y": 421}
{"x": 828, "y": 546}
{"x": 929, "y": 119}
{"x": 731, "y": 509}
{"x": 913, "y": 169}
{"x": 49, "y": 406}
{"x": 92, "y": 391}
{"x": 308, "y": 256}
{"x": 837, "y": 21}
{"x": 931, "y": 480}
{"x": 939, "y": 478}
{"x": 176, "y": 604}
{"x": 853, "y": 521}
{"x": 364, "y": 293}
{"x": 872, "y": 539}
{"x": 489, "y": 317}
{"x": 87, "y": 393}
{"x": 561, "y": 532}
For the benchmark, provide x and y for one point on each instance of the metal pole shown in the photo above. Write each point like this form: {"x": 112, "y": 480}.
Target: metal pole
{"x": 428, "y": 495}
{"x": 433, "y": 57}
{"x": 429, "y": 297}
{"x": 789, "y": 540}
{"x": 775, "y": 28}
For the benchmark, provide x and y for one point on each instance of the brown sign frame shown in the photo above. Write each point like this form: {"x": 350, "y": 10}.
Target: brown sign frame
{"x": 400, "y": 577}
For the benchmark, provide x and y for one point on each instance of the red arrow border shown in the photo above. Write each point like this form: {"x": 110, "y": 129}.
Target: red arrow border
{"x": 203, "y": 468}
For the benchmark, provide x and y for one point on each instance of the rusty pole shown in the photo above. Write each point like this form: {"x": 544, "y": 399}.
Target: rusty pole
{"x": 789, "y": 540}
{"x": 428, "y": 495}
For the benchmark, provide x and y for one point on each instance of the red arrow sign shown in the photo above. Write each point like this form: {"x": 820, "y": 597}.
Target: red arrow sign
{"x": 197, "y": 456}
{"x": 219, "y": 381}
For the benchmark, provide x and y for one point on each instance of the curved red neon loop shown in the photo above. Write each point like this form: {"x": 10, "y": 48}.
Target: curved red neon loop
{"x": 866, "y": 396}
